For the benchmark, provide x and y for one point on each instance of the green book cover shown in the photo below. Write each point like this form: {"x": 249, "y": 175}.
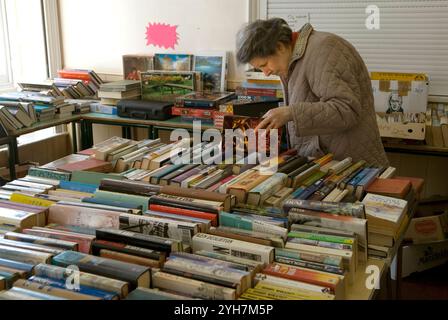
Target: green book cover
{"x": 93, "y": 177}
{"x": 126, "y": 198}
{"x": 320, "y": 237}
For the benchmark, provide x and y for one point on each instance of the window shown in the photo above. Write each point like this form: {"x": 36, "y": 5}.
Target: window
{"x": 30, "y": 49}
{"x": 411, "y": 35}
{"x": 5, "y": 71}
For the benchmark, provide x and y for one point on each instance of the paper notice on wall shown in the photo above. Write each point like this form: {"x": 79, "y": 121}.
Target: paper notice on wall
{"x": 162, "y": 35}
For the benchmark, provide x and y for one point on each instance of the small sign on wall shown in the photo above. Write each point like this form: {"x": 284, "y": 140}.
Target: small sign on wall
{"x": 162, "y": 35}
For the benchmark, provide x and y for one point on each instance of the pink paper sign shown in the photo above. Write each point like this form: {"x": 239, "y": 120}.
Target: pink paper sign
{"x": 161, "y": 35}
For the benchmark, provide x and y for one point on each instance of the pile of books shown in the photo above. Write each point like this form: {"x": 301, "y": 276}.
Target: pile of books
{"x": 201, "y": 106}
{"x": 44, "y": 106}
{"x": 78, "y": 83}
{"x": 259, "y": 87}
{"x": 112, "y": 92}
{"x": 254, "y": 236}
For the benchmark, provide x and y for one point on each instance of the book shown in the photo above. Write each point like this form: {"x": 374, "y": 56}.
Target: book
{"x": 126, "y": 198}
{"x": 233, "y": 247}
{"x": 390, "y": 187}
{"x": 313, "y": 277}
{"x": 210, "y": 270}
{"x": 385, "y": 213}
{"x": 165, "y": 228}
{"x": 241, "y": 188}
{"x": 110, "y": 254}
{"x": 99, "y": 245}
{"x": 326, "y": 220}
{"x": 192, "y": 288}
{"x": 41, "y": 286}
{"x": 140, "y": 240}
{"x": 94, "y": 178}
{"x": 154, "y": 294}
{"x": 252, "y": 224}
{"x": 267, "y": 188}
{"x": 61, "y": 244}
{"x": 22, "y": 219}
{"x": 350, "y": 209}
{"x": 137, "y": 276}
{"x": 213, "y": 67}
{"x": 134, "y": 65}
{"x": 83, "y": 217}
{"x": 167, "y": 85}
{"x": 84, "y": 241}
{"x": 24, "y": 255}
{"x": 121, "y": 288}
{"x": 203, "y": 99}
{"x": 61, "y": 284}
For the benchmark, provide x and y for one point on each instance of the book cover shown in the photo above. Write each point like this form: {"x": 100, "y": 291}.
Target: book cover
{"x": 172, "y": 62}
{"x": 167, "y": 85}
{"x": 134, "y": 65}
{"x": 137, "y": 276}
{"x": 213, "y": 66}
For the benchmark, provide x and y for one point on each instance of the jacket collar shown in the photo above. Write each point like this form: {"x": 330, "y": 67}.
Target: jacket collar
{"x": 301, "y": 43}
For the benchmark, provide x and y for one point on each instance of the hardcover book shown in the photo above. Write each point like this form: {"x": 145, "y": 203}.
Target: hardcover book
{"x": 213, "y": 66}
{"x": 172, "y": 62}
{"x": 134, "y": 65}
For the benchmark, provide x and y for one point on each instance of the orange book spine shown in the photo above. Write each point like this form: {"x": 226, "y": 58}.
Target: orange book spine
{"x": 186, "y": 212}
{"x": 295, "y": 274}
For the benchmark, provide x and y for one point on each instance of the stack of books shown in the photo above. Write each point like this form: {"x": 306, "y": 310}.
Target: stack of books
{"x": 78, "y": 83}
{"x": 201, "y": 106}
{"x": 112, "y": 92}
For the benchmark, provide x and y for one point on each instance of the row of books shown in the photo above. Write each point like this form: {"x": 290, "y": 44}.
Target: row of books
{"x": 308, "y": 249}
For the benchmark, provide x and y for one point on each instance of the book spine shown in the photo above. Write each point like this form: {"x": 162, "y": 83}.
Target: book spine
{"x": 310, "y": 265}
{"x": 192, "y": 288}
{"x": 309, "y": 256}
{"x": 233, "y": 247}
{"x": 61, "y": 284}
{"x": 185, "y": 212}
{"x": 321, "y": 237}
{"x": 322, "y": 244}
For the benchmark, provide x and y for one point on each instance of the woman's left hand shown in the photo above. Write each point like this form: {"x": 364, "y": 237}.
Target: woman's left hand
{"x": 275, "y": 118}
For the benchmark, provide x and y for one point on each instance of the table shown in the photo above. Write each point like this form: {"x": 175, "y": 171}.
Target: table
{"x": 87, "y": 120}
{"x": 416, "y": 149}
{"x": 11, "y": 139}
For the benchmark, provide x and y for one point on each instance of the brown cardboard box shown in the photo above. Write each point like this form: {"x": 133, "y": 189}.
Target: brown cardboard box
{"x": 420, "y": 257}
{"x": 428, "y": 229}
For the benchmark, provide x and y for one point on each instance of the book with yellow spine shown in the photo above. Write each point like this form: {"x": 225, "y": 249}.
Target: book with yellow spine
{"x": 21, "y": 198}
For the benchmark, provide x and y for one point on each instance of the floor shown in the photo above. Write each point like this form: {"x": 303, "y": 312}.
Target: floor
{"x": 427, "y": 285}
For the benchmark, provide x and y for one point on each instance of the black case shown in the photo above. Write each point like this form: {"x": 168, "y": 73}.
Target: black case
{"x": 144, "y": 110}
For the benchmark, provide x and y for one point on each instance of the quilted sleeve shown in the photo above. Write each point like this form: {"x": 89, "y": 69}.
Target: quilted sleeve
{"x": 333, "y": 76}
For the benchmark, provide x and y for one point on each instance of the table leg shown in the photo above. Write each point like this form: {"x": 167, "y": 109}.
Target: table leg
{"x": 74, "y": 137}
{"x": 399, "y": 272}
{"x": 13, "y": 158}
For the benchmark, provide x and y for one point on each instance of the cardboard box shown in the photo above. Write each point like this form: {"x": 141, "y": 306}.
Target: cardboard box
{"x": 421, "y": 257}
{"x": 428, "y": 229}
{"x": 400, "y": 92}
{"x": 413, "y": 131}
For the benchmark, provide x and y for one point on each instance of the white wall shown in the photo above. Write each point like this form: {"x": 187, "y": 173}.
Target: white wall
{"x": 96, "y": 33}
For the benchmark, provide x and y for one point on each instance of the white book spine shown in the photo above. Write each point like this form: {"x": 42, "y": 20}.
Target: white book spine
{"x": 233, "y": 247}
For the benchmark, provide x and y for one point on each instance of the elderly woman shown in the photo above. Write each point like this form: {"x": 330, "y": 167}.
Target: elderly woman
{"x": 327, "y": 89}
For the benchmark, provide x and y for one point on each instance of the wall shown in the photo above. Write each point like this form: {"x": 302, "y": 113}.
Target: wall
{"x": 96, "y": 33}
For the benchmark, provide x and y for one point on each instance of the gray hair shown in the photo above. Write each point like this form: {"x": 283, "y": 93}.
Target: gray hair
{"x": 260, "y": 39}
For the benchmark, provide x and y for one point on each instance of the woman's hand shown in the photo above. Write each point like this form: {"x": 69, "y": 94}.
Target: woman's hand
{"x": 275, "y": 118}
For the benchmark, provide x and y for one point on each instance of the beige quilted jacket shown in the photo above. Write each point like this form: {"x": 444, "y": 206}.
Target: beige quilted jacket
{"x": 329, "y": 90}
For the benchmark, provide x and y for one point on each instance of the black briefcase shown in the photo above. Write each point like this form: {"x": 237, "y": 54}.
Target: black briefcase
{"x": 144, "y": 110}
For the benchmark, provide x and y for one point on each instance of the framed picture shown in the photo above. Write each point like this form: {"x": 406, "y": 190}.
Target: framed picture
{"x": 213, "y": 66}
{"x": 172, "y": 62}
{"x": 134, "y": 65}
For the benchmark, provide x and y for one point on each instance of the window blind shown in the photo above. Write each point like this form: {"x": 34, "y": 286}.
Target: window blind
{"x": 412, "y": 34}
